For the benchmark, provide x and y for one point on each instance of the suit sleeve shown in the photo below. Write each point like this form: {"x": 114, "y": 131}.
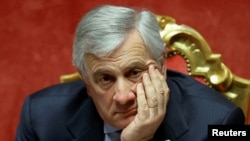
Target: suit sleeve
{"x": 25, "y": 131}
{"x": 236, "y": 116}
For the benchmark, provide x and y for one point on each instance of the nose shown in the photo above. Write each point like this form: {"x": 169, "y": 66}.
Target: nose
{"x": 124, "y": 91}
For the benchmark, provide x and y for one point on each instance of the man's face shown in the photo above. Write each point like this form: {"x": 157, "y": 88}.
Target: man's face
{"x": 112, "y": 80}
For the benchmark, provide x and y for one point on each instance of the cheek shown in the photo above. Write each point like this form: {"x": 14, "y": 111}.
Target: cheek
{"x": 93, "y": 89}
{"x": 103, "y": 102}
{"x": 102, "y": 98}
{"x": 134, "y": 86}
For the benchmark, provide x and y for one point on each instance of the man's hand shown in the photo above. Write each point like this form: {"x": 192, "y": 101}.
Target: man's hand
{"x": 152, "y": 98}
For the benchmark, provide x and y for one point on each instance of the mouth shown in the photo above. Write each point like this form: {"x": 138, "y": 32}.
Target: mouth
{"x": 129, "y": 112}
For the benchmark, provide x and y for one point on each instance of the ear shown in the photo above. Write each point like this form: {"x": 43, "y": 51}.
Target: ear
{"x": 86, "y": 83}
{"x": 88, "y": 87}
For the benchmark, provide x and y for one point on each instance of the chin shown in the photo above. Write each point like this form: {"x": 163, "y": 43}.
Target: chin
{"x": 125, "y": 122}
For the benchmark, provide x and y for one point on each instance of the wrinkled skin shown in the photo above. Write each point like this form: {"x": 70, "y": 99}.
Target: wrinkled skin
{"x": 129, "y": 89}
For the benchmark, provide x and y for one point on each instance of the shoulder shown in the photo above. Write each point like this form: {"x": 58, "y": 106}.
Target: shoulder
{"x": 58, "y": 96}
{"x": 49, "y": 109}
{"x": 61, "y": 89}
{"x": 187, "y": 86}
{"x": 198, "y": 100}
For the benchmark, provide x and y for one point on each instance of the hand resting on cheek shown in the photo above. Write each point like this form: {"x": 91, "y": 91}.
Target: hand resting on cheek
{"x": 152, "y": 98}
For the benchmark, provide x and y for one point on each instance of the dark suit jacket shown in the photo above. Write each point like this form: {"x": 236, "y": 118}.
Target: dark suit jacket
{"x": 64, "y": 112}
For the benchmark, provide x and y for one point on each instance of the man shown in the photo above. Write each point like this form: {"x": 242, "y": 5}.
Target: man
{"x": 120, "y": 55}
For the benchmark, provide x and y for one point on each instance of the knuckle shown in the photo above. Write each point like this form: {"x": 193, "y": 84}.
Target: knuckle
{"x": 161, "y": 91}
{"x": 144, "y": 104}
{"x": 153, "y": 101}
{"x": 161, "y": 78}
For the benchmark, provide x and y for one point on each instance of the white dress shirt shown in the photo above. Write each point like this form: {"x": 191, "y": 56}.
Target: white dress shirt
{"x": 111, "y": 133}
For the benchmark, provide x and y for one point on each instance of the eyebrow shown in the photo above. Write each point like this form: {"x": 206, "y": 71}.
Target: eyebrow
{"x": 102, "y": 70}
{"x": 128, "y": 66}
{"x": 136, "y": 64}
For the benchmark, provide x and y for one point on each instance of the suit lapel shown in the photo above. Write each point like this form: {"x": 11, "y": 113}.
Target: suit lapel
{"x": 86, "y": 124}
{"x": 174, "y": 125}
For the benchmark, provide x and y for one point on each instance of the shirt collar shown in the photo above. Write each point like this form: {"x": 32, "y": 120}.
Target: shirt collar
{"x": 109, "y": 129}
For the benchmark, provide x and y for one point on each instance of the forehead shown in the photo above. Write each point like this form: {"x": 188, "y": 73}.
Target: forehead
{"x": 131, "y": 52}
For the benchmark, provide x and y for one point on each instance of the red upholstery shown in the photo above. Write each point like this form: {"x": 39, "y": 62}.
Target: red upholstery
{"x": 36, "y": 38}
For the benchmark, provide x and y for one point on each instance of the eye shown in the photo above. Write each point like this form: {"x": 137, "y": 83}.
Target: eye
{"x": 134, "y": 74}
{"x": 105, "y": 79}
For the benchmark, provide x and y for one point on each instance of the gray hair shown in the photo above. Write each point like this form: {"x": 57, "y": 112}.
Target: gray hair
{"x": 103, "y": 29}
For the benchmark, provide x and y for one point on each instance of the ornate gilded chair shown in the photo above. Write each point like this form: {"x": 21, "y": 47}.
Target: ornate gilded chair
{"x": 189, "y": 53}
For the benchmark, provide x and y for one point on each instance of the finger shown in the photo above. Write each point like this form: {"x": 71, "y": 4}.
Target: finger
{"x": 152, "y": 98}
{"x": 141, "y": 102}
{"x": 165, "y": 87}
{"x": 158, "y": 81}
{"x": 163, "y": 91}
{"x": 161, "y": 88}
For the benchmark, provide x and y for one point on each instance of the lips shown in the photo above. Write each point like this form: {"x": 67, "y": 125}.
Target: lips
{"x": 129, "y": 112}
